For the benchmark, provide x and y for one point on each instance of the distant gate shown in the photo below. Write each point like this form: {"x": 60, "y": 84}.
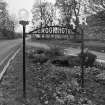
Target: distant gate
{"x": 53, "y": 32}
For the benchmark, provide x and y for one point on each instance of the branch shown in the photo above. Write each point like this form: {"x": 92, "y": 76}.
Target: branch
{"x": 102, "y": 4}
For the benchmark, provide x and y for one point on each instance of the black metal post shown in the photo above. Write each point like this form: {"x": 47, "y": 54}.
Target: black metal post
{"x": 41, "y": 18}
{"x": 41, "y": 30}
{"x": 24, "y": 72}
{"x": 82, "y": 58}
{"x": 24, "y": 23}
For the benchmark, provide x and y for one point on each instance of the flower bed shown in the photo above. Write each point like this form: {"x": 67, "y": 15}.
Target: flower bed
{"x": 57, "y": 85}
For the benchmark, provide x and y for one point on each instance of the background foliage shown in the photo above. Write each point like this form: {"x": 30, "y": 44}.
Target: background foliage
{"x": 7, "y": 22}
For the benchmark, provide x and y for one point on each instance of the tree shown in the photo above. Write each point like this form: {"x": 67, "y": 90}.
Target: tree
{"x": 65, "y": 10}
{"x": 70, "y": 9}
{"x": 99, "y": 4}
{"x": 7, "y": 24}
{"x": 75, "y": 12}
{"x": 96, "y": 21}
{"x": 43, "y": 12}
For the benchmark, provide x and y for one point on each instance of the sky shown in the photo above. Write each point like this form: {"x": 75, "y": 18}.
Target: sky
{"x": 14, "y": 6}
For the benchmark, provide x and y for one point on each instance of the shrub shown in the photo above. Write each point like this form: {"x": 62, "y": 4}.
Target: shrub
{"x": 89, "y": 59}
{"x": 57, "y": 77}
{"x": 60, "y": 61}
{"x": 54, "y": 52}
{"x": 40, "y": 58}
{"x": 100, "y": 64}
{"x": 30, "y": 53}
{"x": 68, "y": 61}
{"x": 40, "y": 51}
{"x": 73, "y": 61}
{"x": 101, "y": 78}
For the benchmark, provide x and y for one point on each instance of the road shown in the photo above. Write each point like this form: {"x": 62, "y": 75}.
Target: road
{"x": 7, "y": 49}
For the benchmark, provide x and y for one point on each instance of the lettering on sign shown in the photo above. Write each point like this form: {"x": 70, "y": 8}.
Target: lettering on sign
{"x": 54, "y": 32}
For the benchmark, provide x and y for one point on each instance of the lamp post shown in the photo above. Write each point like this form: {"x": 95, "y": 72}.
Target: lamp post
{"x": 24, "y": 22}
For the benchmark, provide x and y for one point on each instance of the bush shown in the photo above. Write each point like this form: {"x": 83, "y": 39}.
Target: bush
{"x": 60, "y": 61}
{"x": 40, "y": 51}
{"x": 30, "y": 53}
{"x": 55, "y": 55}
{"x": 74, "y": 61}
{"x": 37, "y": 55}
{"x": 54, "y": 52}
{"x": 89, "y": 59}
{"x": 101, "y": 78}
{"x": 57, "y": 77}
{"x": 40, "y": 58}
{"x": 71, "y": 61}
{"x": 68, "y": 61}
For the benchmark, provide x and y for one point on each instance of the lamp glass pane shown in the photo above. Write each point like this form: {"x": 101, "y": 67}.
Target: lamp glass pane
{"x": 23, "y": 15}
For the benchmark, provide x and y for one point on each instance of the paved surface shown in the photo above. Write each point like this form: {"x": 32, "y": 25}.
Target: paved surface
{"x": 72, "y": 51}
{"x": 76, "y": 51}
{"x": 7, "y": 49}
{"x": 35, "y": 44}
